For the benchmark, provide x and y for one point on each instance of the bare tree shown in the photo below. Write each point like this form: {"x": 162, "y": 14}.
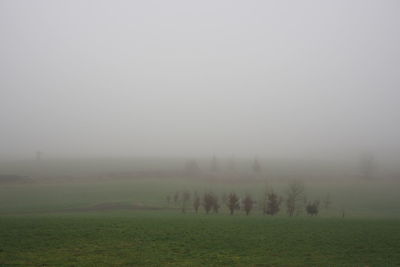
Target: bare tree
{"x": 248, "y": 203}
{"x": 273, "y": 203}
{"x": 312, "y": 208}
{"x": 196, "y": 202}
{"x": 294, "y": 197}
{"x": 168, "y": 199}
{"x": 185, "y": 200}
{"x": 233, "y": 202}
{"x": 210, "y": 202}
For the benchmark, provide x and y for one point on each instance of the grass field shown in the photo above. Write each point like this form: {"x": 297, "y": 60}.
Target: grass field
{"x": 54, "y": 223}
{"x": 148, "y": 238}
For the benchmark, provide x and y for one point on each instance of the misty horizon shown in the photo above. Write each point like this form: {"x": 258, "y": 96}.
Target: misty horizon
{"x": 178, "y": 79}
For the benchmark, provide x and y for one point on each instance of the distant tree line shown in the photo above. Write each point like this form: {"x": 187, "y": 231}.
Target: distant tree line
{"x": 191, "y": 166}
{"x": 367, "y": 167}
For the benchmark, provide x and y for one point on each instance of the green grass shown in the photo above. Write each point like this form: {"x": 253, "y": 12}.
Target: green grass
{"x": 37, "y": 227}
{"x": 154, "y": 238}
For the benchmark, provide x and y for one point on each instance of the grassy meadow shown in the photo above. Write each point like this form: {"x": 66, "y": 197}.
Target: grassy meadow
{"x": 97, "y": 221}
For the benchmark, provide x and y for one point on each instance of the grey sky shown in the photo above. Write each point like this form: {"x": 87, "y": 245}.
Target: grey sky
{"x": 172, "y": 78}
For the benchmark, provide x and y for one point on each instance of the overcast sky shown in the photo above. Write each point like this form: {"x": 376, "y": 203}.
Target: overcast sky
{"x": 172, "y": 78}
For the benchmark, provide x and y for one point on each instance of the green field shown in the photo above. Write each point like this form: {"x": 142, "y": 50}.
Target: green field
{"x": 174, "y": 239}
{"x": 56, "y": 223}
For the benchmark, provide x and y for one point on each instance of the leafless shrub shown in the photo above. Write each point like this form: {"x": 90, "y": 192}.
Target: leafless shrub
{"x": 312, "y": 208}
{"x": 294, "y": 197}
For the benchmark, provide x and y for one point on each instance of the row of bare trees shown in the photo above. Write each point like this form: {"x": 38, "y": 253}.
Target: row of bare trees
{"x": 294, "y": 200}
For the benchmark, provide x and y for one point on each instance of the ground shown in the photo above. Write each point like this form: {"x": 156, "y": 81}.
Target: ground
{"x": 149, "y": 238}
{"x": 128, "y": 222}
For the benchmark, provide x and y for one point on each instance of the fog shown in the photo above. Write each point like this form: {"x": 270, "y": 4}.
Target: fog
{"x": 277, "y": 79}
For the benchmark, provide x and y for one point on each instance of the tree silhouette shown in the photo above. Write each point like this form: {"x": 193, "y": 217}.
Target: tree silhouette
{"x": 273, "y": 204}
{"x": 313, "y": 208}
{"x": 233, "y": 202}
{"x": 295, "y": 194}
{"x": 210, "y": 202}
{"x": 248, "y": 204}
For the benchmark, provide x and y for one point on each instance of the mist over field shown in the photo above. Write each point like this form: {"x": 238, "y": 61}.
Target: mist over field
{"x": 199, "y": 133}
{"x": 176, "y": 78}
